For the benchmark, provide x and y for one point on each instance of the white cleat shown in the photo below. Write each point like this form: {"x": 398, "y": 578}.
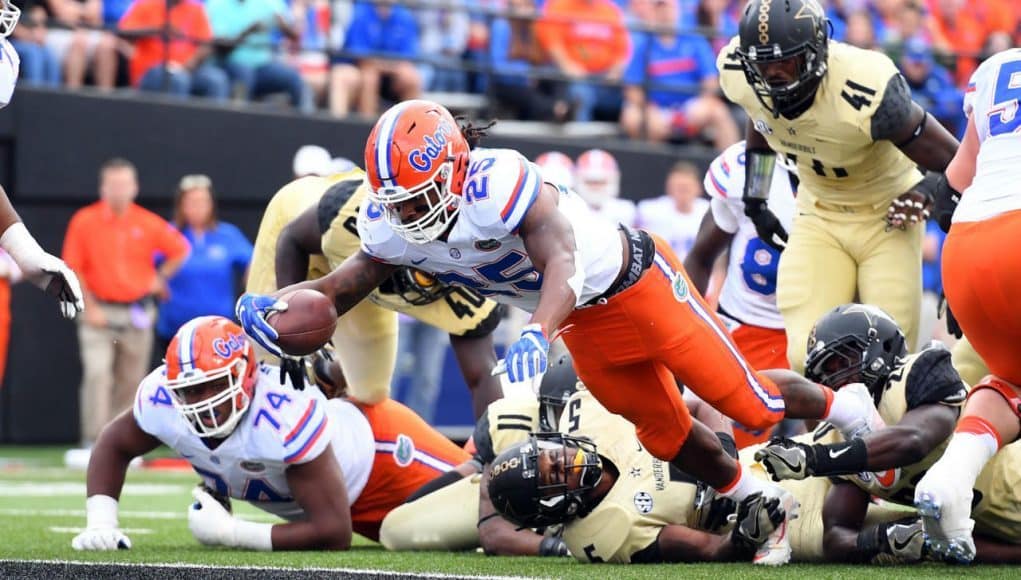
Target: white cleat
{"x": 946, "y": 518}
{"x": 776, "y": 551}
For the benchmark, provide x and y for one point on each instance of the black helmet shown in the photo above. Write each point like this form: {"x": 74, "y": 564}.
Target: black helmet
{"x": 855, "y": 343}
{"x": 777, "y": 30}
{"x": 516, "y": 489}
{"x": 558, "y": 384}
{"x": 417, "y": 287}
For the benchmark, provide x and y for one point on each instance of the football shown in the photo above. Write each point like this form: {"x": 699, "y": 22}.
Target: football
{"x": 307, "y": 324}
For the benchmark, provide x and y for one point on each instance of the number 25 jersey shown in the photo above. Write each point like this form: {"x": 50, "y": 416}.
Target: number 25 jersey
{"x": 483, "y": 250}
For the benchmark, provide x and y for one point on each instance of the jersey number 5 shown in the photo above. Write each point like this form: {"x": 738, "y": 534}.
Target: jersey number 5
{"x": 1003, "y": 117}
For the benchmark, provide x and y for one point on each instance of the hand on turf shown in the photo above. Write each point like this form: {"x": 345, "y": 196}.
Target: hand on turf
{"x": 101, "y": 539}
{"x": 908, "y": 209}
{"x": 786, "y": 459}
{"x": 209, "y": 521}
{"x": 252, "y": 311}
{"x": 527, "y": 358}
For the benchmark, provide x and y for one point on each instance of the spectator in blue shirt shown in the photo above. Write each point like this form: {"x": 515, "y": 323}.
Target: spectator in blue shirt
{"x": 932, "y": 86}
{"x": 680, "y": 73}
{"x": 514, "y": 53}
{"x": 206, "y": 282}
{"x": 244, "y": 32}
{"x": 377, "y": 41}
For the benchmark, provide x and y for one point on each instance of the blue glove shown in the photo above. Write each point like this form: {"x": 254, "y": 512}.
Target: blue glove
{"x": 251, "y": 311}
{"x": 526, "y": 359}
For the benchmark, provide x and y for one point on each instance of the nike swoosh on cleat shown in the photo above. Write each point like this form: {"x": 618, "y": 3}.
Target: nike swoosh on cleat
{"x": 417, "y": 262}
{"x": 898, "y": 546}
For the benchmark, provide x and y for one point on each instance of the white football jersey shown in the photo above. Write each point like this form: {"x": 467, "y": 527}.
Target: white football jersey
{"x": 10, "y": 64}
{"x": 483, "y": 250}
{"x": 993, "y": 100}
{"x": 618, "y": 211}
{"x": 281, "y": 427}
{"x": 749, "y": 291}
{"x": 659, "y": 215}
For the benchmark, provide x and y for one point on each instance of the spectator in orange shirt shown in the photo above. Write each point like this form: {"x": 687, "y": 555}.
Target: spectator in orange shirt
{"x": 112, "y": 245}
{"x": 584, "y": 39}
{"x": 186, "y": 69}
{"x": 961, "y": 28}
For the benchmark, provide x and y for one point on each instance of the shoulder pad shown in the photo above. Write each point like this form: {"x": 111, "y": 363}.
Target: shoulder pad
{"x": 296, "y": 422}
{"x": 500, "y": 188}
{"x": 333, "y": 200}
{"x": 154, "y": 410}
{"x": 932, "y": 379}
{"x": 378, "y": 239}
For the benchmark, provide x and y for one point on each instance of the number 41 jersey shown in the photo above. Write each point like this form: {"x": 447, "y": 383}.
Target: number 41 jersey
{"x": 483, "y": 250}
{"x": 282, "y": 427}
{"x": 749, "y": 290}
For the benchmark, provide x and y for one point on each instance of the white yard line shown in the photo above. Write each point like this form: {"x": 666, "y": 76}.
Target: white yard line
{"x": 145, "y": 515}
{"x": 77, "y": 488}
{"x": 129, "y": 531}
{"x": 351, "y": 571}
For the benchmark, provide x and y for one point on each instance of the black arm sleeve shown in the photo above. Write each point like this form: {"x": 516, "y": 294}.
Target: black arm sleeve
{"x": 894, "y": 111}
{"x": 333, "y": 200}
{"x": 648, "y": 555}
{"x": 933, "y": 379}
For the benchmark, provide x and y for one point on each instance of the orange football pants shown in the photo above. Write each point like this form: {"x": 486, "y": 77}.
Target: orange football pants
{"x": 628, "y": 350}
{"x": 763, "y": 348}
{"x": 409, "y": 454}
{"x": 982, "y": 281}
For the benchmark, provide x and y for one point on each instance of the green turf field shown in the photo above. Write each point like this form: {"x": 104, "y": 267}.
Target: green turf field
{"x": 42, "y": 507}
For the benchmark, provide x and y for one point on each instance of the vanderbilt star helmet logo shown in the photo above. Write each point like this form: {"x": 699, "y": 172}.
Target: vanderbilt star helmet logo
{"x": 810, "y": 9}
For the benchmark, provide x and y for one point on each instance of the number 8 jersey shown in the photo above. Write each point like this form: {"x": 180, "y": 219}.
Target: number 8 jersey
{"x": 992, "y": 99}
{"x": 749, "y": 291}
{"x": 483, "y": 250}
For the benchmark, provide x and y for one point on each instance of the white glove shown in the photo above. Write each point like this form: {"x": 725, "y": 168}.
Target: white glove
{"x": 213, "y": 525}
{"x": 101, "y": 532}
{"x": 209, "y": 521}
{"x": 47, "y": 272}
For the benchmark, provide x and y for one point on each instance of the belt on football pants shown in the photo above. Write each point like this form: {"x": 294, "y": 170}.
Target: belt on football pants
{"x": 641, "y": 251}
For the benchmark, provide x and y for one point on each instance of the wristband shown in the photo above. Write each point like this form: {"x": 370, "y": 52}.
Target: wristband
{"x": 253, "y": 535}
{"x": 840, "y": 458}
{"x": 22, "y": 247}
{"x": 101, "y": 512}
{"x": 872, "y": 541}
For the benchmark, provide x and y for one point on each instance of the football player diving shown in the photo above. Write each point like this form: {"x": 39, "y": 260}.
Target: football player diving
{"x": 918, "y": 398}
{"x": 44, "y": 270}
{"x": 846, "y": 117}
{"x": 329, "y": 467}
{"x": 308, "y": 229}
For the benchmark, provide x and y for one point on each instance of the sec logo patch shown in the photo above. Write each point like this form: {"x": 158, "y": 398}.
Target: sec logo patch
{"x": 680, "y": 288}
{"x": 643, "y": 502}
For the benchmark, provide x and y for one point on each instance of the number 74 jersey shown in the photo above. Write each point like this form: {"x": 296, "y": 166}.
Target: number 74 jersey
{"x": 483, "y": 250}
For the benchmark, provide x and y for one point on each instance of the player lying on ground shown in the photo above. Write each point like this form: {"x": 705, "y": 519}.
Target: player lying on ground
{"x": 469, "y": 519}
{"x": 328, "y": 466}
{"x": 858, "y": 348}
{"x": 308, "y": 229}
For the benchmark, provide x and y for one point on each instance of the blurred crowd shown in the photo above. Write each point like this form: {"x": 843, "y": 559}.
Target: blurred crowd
{"x": 648, "y": 65}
